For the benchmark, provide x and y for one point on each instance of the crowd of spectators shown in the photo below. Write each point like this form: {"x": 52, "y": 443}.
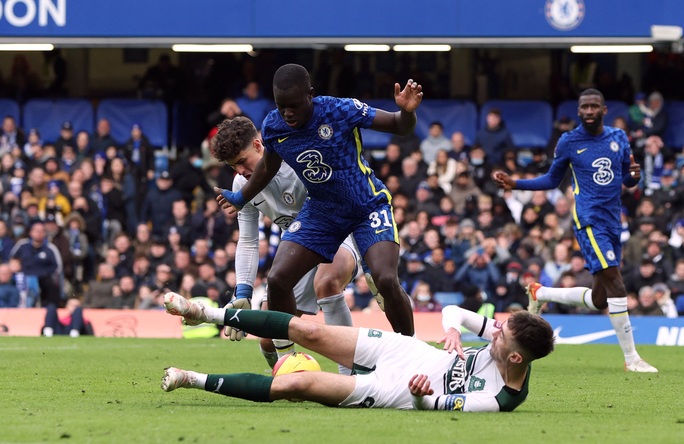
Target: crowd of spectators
{"x": 97, "y": 219}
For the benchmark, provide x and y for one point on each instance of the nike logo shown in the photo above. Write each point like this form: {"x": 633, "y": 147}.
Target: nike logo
{"x": 581, "y": 339}
{"x": 235, "y": 316}
{"x": 380, "y": 231}
{"x": 256, "y": 204}
{"x": 281, "y": 140}
{"x": 218, "y": 387}
{"x": 582, "y": 150}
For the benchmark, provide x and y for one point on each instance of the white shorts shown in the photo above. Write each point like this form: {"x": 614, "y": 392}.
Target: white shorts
{"x": 393, "y": 359}
{"x": 304, "y": 292}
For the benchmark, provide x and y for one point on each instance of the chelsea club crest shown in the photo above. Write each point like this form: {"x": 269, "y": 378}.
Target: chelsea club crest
{"x": 325, "y": 132}
{"x": 564, "y": 15}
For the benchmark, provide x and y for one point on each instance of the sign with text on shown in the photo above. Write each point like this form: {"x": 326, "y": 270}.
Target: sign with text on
{"x": 273, "y": 19}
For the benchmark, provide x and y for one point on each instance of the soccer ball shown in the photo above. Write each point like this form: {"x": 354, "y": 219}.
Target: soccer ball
{"x": 294, "y": 363}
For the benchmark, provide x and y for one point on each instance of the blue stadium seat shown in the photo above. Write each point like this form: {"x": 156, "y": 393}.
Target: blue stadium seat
{"x": 448, "y": 298}
{"x": 455, "y": 115}
{"x": 674, "y": 136}
{"x": 529, "y": 121}
{"x": 48, "y": 115}
{"x": 123, "y": 113}
{"x": 9, "y": 107}
{"x": 616, "y": 108}
{"x": 255, "y": 109}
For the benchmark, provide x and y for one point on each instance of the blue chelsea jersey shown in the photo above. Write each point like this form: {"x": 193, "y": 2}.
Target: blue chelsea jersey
{"x": 599, "y": 165}
{"x": 327, "y": 155}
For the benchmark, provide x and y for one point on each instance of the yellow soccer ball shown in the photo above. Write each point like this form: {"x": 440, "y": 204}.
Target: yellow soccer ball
{"x": 294, "y": 363}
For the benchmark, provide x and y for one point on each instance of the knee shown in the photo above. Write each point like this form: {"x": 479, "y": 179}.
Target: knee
{"x": 310, "y": 333}
{"x": 290, "y": 385}
{"x": 387, "y": 282}
{"x": 329, "y": 285}
{"x": 277, "y": 281}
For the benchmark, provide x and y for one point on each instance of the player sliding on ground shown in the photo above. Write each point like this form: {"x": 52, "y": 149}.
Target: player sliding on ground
{"x": 393, "y": 371}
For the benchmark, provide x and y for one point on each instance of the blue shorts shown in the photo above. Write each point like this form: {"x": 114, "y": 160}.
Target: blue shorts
{"x": 324, "y": 231}
{"x": 600, "y": 247}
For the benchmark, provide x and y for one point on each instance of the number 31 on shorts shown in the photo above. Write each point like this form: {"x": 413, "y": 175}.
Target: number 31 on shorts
{"x": 380, "y": 220}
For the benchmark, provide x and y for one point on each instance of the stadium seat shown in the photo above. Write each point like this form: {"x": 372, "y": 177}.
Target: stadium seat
{"x": 455, "y": 115}
{"x": 9, "y": 107}
{"x": 616, "y": 108}
{"x": 674, "y": 136}
{"x": 255, "y": 109}
{"x": 48, "y": 115}
{"x": 448, "y": 298}
{"x": 529, "y": 121}
{"x": 123, "y": 113}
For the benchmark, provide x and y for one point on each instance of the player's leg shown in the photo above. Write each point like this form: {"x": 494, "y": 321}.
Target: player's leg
{"x": 334, "y": 342}
{"x": 599, "y": 254}
{"x": 291, "y": 262}
{"x": 329, "y": 284}
{"x": 325, "y": 388}
{"x": 383, "y": 260}
{"x": 609, "y": 291}
{"x": 331, "y": 280}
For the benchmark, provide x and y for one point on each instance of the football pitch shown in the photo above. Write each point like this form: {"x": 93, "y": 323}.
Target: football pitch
{"x": 107, "y": 390}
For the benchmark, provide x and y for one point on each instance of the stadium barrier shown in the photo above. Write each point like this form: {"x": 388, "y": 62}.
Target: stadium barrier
{"x": 569, "y": 329}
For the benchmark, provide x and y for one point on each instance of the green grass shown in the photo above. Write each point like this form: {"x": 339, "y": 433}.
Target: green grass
{"x": 104, "y": 390}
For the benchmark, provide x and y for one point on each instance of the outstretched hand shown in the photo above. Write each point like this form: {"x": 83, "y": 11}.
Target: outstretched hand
{"x": 503, "y": 180}
{"x": 634, "y": 168}
{"x": 452, "y": 341}
{"x": 223, "y": 201}
{"x": 410, "y": 97}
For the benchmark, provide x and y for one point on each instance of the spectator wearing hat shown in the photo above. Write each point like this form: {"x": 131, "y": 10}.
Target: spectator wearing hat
{"x": 467, "y": 237}
{"x": 56, "y": 235}
{"x": 102, "y": 139}
{"x": 74, "y": 226}
{"x": 663, "y": 297}
{"x": 139, "y": 154}
{"x": 494, "y": 137}
{"x": 560, "y": 127}
{"x": 424, "y": 200}
{"x": 480, "y": 167}
{"x": 158, "y": 204}
{"x": 434, "y": 142}
{"x": 66, "y": 138}
{"x": 638, "y": 112}
{"x": 479, "y": 270}
{"x": 463, "y": 188}
{"x": 32, "y": 139}
{"x": 55, "y": 202}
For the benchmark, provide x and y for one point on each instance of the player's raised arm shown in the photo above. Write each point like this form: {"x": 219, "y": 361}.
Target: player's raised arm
{"x": 403, "y": 121}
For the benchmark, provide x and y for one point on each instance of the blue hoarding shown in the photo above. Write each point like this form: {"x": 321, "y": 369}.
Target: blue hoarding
{"x": 272, "y": 19}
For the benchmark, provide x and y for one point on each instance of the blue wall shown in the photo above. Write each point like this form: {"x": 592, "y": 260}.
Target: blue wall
{"x": 331, "y": 19}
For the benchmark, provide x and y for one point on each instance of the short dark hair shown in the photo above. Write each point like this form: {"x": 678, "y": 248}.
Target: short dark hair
{"x": 533, "y": 333}
{"x": 593, "y": 92}
{"x": 233, "y": 136}
{"x": 290, "y": 76}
